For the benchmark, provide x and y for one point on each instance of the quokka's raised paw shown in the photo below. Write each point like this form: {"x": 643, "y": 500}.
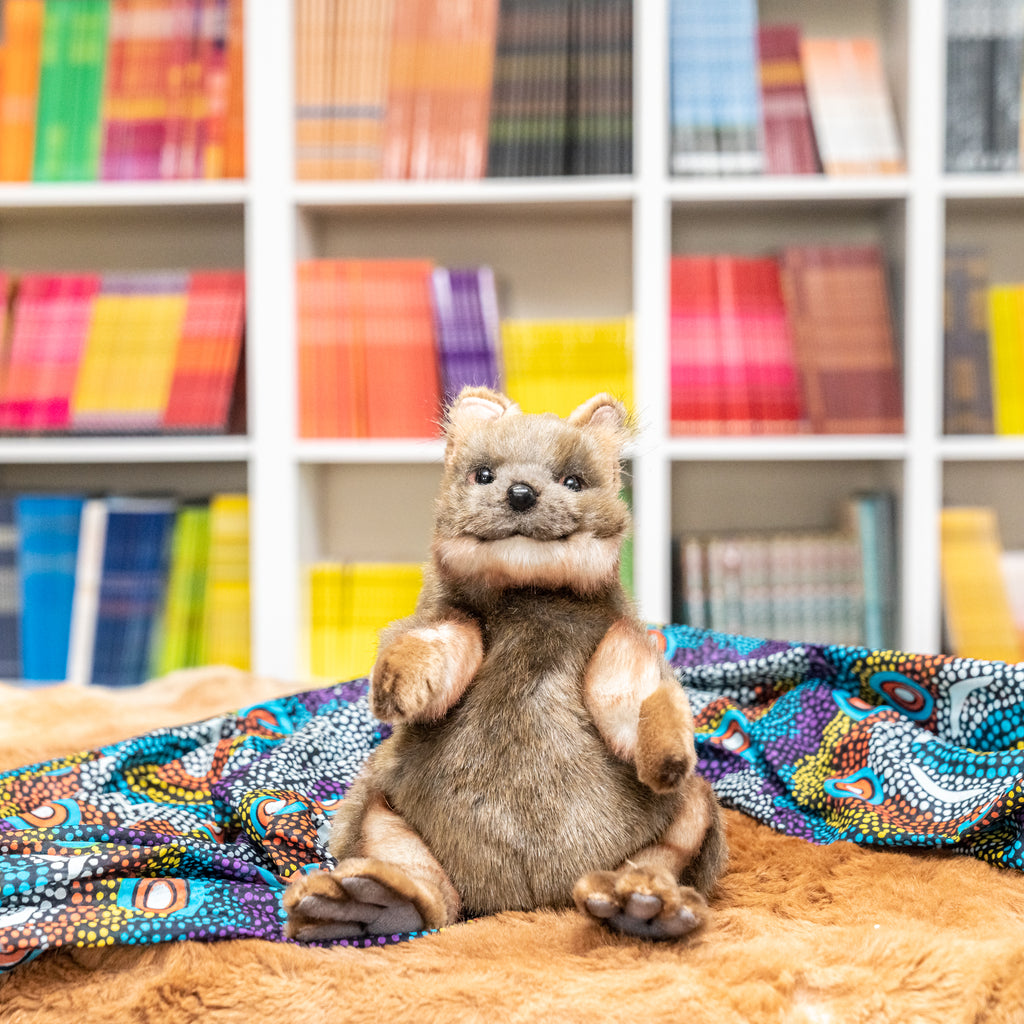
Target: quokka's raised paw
{"x": 644, "y": 902}
{"x": 361, "y": 896}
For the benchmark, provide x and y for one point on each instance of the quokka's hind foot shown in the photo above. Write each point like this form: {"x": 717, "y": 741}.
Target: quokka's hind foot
{"x": 361, "y": 896}
{"x": 644, "y": 902}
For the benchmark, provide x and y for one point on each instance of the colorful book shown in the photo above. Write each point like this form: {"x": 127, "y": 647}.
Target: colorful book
{"x": 967, "y": 375}
{"x": 19, "y": 95}
{"x": 714, "y": 88}
{"x": 732, "y": 361}
{"x": 851, "y": 106}
{"x": 178, "y": 638}
{"x": 50, "y": 324}
{"x": 127, "y": 365}
{"x": 789, "y": 145}
{"x": 349, "y": 604}
{"x": 368, "y": 363}
{"x": 10, "y": 593}
{"x": 554, "y": 365}
{"x": 234, "y": 114}
{"x": 72, "y": 64}
{"x": 226, "y": 631}
{"x": 978, "y": 616}
{"x": 48, "y": 528}
{"x": 131, "y": 583}
{"x": 85, "y": 602}
{"x": 208, "y": 353}
{"x": 465, "y": 305}
{"x": 837, "y": 300}
{"x": 1006, "y": 324}
{"x": 441, "y": 66}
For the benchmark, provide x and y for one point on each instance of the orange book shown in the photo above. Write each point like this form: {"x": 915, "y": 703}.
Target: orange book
{"x": 837, "y": 302}
{"x": 22, "y": 34}
{"x": 312, "y": 63}
{"x": 330, "y": 403}
{"x": 207, "y": 359}
{"x": 234, "y": 117}
{"x": 442, "y": 68}
{"x": 851, "y": 106}
{"x": 403, "y": 393}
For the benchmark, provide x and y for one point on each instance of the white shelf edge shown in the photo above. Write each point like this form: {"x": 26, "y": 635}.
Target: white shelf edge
{"x": 852, "y": 448}
{"x": 481, "y": 192}
{"x": 982, "y": 449}
{"x": 113, "y": 194}
{"x": 85, "y": 450}
{"x": 983, "y": 186}
{"x": 789, "y": 188}
{"x": 360, "y": 452}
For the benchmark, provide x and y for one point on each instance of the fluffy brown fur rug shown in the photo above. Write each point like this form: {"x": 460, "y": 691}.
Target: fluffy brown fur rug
{"x": 801, "y": 934}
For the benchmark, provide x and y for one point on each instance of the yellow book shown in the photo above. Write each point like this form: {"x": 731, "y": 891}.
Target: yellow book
{"x": 554, "y": 365}
{"x": 226, "y": 629}
{"x": 979, "y": 619}
{"x": 348, "y": 606}
{"x": 1006, "y": 340}
{"x": 127, "y": 365}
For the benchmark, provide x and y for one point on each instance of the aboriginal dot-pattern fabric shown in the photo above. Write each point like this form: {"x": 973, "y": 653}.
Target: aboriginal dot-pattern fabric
{"x": 193, "y": 832}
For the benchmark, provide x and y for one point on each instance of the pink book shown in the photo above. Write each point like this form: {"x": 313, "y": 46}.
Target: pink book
{"x": 50, "y": 322}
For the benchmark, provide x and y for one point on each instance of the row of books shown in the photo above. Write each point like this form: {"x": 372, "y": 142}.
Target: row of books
{"x": 383, "y": 342}
{"x": 827, "y": 586}
{"x": 794, "y": 342}
{"x": 121, "y": 90}
{"x": 982, "y": 586}
{"x": 434, "y": 89}
{"x": 122, "y": 352}
{"x": 746, "y": 98}
{"x": 113, "y": 590}
{"x": 984, "y": 79}
{"x": 347, "y": 604}
{"x": 984, "y": 347}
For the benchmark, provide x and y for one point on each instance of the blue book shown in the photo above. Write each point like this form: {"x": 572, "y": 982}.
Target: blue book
{"x": 10, "y": 594}
{"x": 134, "y": 571}
{"x": 47, "y": 527}
{"x": 714, "y": 88}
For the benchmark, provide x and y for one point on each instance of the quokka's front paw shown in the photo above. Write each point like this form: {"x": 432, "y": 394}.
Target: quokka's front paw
{"x": 409, "y": 680}
{"x": 361, "y": 896}
{"x": 664, "y": 770}
{"x": 644, "y": 902}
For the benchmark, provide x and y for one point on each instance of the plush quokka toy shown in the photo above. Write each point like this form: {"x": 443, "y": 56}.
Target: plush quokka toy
{"x": 542, "y": 752}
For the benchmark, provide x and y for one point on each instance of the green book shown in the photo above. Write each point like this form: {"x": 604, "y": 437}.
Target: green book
{"x": 72, "y": 65}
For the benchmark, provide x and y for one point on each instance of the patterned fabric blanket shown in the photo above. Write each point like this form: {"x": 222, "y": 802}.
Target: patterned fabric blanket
{"x": 192, "y": 832}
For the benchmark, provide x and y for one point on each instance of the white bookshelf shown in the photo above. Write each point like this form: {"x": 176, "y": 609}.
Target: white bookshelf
{"x": 589, "y": 246}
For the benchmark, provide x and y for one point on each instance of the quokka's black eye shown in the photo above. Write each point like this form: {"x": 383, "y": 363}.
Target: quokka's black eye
{"x": 574, "y": 483}
{"x": 484, "y": 475}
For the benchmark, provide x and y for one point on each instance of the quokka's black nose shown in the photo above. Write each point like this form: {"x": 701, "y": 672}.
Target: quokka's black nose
{"x": 521, "y": 497}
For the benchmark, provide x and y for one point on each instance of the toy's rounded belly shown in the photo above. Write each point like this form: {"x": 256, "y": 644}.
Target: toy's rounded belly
{"x": 517, "y": 805}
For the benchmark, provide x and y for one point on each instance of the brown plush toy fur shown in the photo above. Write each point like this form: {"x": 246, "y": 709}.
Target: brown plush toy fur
{"x": 542, "y": 751}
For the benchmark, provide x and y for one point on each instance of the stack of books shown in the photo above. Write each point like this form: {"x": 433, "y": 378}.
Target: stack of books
{"x": 827, "y": 586}
{"x": 984, "y": 76}
{"x": 554, "y": 365}
{"x": 110, "y": 591}
{"x": 748, "y": 98}
{"x": 799, "y": 342}
{"x": 152, "y": 352}
{"x": 121, "y": 90}
{"x": 433, "y": 89}
{"x": 348, "y": 604}
{"x": 982, "y": 587}
{"x": 984, "y": 348}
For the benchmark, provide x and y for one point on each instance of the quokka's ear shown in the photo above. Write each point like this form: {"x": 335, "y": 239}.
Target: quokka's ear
{"x": 603, "y": 412}
{"x": 474, "y": 407}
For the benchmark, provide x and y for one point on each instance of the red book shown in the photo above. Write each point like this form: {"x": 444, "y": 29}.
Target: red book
{"x": 209, "y": 352}
{"x": 48, "y": 331}
{"x": 789, "y": 146}
{"x": 838, "y": 305}
{"x": 694, "y": 346}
